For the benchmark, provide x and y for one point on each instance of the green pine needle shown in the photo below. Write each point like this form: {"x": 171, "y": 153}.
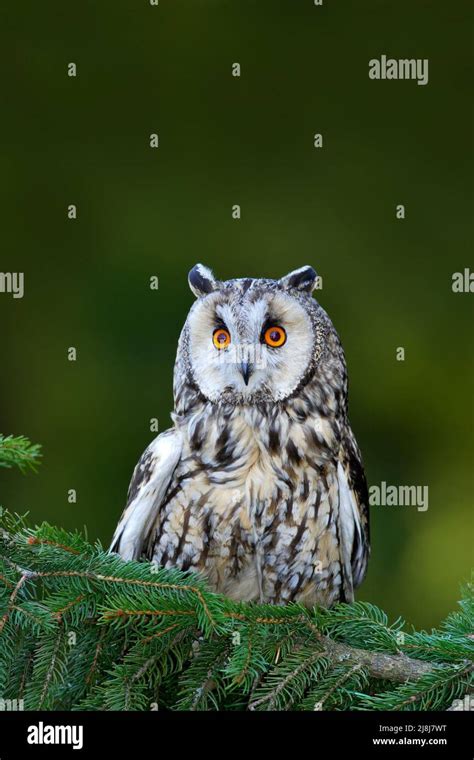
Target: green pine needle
{"x": 80, "y": 629}
{"x": 17, "y": 451}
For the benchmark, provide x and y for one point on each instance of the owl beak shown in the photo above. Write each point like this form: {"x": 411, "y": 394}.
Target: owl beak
{"x": 246, "y": 370}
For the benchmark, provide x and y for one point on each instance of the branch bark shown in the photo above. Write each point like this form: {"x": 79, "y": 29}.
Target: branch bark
{"x": 390, "y": 667}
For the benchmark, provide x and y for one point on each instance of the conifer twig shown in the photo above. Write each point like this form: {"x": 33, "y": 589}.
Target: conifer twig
{"x": 134, "y": 625}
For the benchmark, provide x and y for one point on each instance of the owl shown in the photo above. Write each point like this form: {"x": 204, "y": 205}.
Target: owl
{"x": 259, "y": 485}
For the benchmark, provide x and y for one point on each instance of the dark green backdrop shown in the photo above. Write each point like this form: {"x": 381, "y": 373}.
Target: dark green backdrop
{"x": 144, "y": 212}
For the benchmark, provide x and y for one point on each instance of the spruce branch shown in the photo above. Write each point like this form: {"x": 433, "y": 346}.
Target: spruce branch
{"x": 82, "y": 629}
{"x": 387, "y": 667}
{"x": 18, "y": 451}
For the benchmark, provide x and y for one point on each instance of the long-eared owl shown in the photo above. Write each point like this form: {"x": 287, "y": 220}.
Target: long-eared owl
{"x": 259, "y": 485}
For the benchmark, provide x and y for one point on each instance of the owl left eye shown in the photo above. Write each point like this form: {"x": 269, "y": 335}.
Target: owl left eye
{"x": 274, "y": 336}
{"x": 221, "y": 338}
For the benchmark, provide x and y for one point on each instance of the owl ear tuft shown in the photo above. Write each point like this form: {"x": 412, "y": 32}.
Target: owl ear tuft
{"x": 201, "y": 280}
{"x": 303, "y": 279}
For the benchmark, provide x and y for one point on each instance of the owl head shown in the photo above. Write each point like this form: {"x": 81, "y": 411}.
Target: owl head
{"x": 251, "y": 340}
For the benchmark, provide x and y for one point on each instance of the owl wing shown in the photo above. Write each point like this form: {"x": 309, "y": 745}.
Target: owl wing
{"x": 353, "y": 515}
{"x": 150, "y": 481}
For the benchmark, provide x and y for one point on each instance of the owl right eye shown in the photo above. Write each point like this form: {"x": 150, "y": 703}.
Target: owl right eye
{"x": 221, "y": 338}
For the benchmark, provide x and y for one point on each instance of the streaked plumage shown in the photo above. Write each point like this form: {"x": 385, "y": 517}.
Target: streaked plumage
{"x": 259, "y": 485}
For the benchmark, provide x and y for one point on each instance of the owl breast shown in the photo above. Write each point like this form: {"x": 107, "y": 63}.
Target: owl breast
{"x": 253, "y": 506}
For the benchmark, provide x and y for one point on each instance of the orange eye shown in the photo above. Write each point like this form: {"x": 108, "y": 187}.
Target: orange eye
{"x": 221, "y": 338}
{"x": 275, "y": 337}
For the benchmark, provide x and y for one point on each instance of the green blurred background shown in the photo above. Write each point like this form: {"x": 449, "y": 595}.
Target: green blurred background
{"x": 144, "y": 212}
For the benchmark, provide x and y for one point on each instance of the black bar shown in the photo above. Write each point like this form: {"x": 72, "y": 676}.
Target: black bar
{"x": 151, "y": 734}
